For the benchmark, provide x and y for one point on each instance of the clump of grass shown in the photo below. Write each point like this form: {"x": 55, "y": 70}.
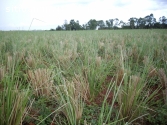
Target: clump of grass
{"x": 20, "y": 55}
{"x": 108, "y": 114}
{"x": 128, "y": 99}
{"x": 71, "y": 94}
{"x": 119, "y": 76}
{"x": 30, "y": 61}
{"x": 13, "y": 101}
{"x": 41, "y": 81}
{"x": 67, "y": 57}
{"x": 13, "y": 106}
{"x": 82, "y": 87}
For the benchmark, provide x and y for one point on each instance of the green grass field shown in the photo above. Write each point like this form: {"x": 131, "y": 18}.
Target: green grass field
{"x": 83, "y": 77}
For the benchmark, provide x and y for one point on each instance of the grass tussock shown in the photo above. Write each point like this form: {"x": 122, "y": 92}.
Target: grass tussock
{"x": 71, "y": 95}
{"x": 41, "y": 81}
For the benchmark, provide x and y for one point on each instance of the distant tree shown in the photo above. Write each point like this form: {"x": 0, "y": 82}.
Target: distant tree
{"x": 157, "y": 25}
{"x": 78, "y": 26}
{"x": 84, "y": 26}
{"x": 150, "y": 21}
{"x": 108, "y": 24}
{"x": 136, "y": 22}
{"x": 126, "y": 25}
{"x": 58, "y": 28}
{"x": 52, "y": 29}
{"x": 92, "y": 24}
{"x": 141, "y": 23}
{"x": 122, "y": 24}
{"x": 153, "y": 20}
{"x": 73, "y": 24}
{"x": 163, "y": 22}
{"x": 133, "y": 22}
{"x": 111, "y": 22}
{"x": 147, "y": 22}
{"x": 66, "y": 26}
{"x": 115, "y": 23}
{"x": 101, "y": 24}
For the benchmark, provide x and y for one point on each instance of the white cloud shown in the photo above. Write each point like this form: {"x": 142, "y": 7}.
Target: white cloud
{"x": 54, "y": 12}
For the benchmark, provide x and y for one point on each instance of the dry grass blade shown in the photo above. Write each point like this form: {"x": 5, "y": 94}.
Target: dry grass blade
{"x": 146, "y": 60}
{"x": 82, "y": 87}
{"x": 98, "y": 61}
{"x": 10, "y": 63}
{"x": 85, "y": 123}
{"x": 135, "y": 52}
{"x": 163, "y": 79}
{"x": 16, "y": 106}
{"x": 119, "y": 77}
{"x": 152, "y": 72}
{"x": 67, "y": 56}
{"x": 20, "y": 55}
{"x": 2, "y": 73}
{"x": 30, "y": 61}
{"x": 101, "y": 44}
{"x": 134, "y": 81}
{"x": 41, "y": 81}
{"x": 64, "y": 58}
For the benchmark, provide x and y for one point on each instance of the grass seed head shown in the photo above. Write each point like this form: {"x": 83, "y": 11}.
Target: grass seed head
{"x": 20, "y": 55}
{"x": 41, "y": 81}
{"x": 98, "y": 61}
{"x": 82, "y": 87}
{"x": 30, "y": 61}
{"x": 101, "y": 44}
{"x": 2, "y": 73}
{"x": 120, "y": 74}
{"x": 146, "y": 60}
{"x": 135, "y": 52}
{"x": 163, "y": 77}
{"x": 135, "y": 80}
{"x": 10, "y": 62}
{"x": 152, "y": 72}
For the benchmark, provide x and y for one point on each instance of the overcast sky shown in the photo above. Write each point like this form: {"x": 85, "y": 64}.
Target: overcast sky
{"x": 18, "y": 14}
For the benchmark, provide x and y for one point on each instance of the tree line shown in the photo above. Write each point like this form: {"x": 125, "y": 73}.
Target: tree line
{"x": 148, "y": 22}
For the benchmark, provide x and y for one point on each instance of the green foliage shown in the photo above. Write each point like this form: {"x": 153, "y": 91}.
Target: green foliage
{"x": 91, "y": 114}
{"x": 13, "y": 102}
{"x": 159, "y": 116}
{"x": 92, "y": 24}
{"x": 43, "y": 110}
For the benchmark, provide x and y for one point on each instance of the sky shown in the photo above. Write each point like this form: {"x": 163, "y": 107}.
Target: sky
{"x": 47, "y": 14}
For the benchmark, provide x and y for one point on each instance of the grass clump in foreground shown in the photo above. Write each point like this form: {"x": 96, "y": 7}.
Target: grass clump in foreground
{"x": 85, "y": 77}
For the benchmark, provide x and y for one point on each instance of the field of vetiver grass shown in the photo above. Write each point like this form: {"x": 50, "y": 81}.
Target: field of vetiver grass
{"x": 116, "y": 77}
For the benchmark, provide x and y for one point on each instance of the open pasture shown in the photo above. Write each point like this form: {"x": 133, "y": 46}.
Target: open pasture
{"x": 83, "y": 77}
